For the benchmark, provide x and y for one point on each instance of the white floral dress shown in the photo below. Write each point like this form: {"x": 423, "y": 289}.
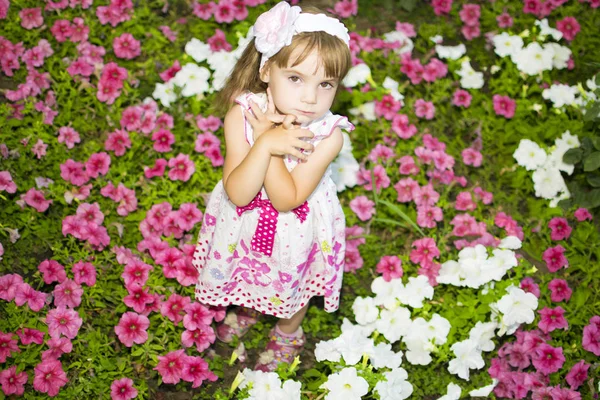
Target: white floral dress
{"x": 273, "y": 262}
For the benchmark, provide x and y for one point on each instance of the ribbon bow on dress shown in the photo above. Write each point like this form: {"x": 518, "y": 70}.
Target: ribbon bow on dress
{"x": 264, "y": 235}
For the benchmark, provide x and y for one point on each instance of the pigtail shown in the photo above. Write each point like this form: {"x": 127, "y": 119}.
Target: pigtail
{"x": 244, "y": 77}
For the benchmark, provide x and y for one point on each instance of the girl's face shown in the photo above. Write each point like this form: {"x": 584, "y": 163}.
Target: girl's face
{"x": 302, "y": 90}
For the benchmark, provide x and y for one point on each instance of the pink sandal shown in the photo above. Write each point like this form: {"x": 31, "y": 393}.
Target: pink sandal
{"x": 281, "y": 348}
{"x": 237, "y": 323}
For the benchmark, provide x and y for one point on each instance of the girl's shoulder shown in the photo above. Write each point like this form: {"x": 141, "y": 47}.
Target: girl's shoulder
{"x": 324, "y": 126}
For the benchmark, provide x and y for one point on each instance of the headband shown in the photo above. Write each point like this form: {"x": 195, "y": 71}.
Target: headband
{"x": 274, "y": 29}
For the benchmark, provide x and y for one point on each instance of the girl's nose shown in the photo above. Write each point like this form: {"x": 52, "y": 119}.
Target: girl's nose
{"x": 309, "y": 96}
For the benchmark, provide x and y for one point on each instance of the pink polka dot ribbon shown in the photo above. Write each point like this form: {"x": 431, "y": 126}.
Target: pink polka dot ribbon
{"x": 264, "y": 235}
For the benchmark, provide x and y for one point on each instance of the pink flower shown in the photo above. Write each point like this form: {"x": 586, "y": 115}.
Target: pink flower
{"x": 80, "y": 30}
{"x": 168, "y": 32}
{"x": 548, "y": 359}
{"x": 52, "y": 271}
{"x": 6, "y": 182}
{"x": 551, "y": 319}
{"x": 532, "y": 6}
{"x": 218, "y": 42}
{"x": 441, "y": 6}
{"x": 559, "y": 393}
{"x": 581, "y": 214}
{"x": 381, "y": 178}
{"x": 569, "y": 27}
{"x": 31, "y": 18}
{"x": 203, "y": 10}
{"x": 163, "y": 139}
{"x": 470, "y": 32}
{"x": 197, "y": 315}
{"x": 7, "y": 346}
{"x": 84, "y": 272}
{"x": 136, "y": 273}
{"x": 157, "y": 170}
{"x": 49, "y": 377}
{"x": 387, "y": 107}
{"x": 434, "y": 70}
{"x": 170, "y": 72}
{"x": 132, "y": 329}
{"x": 36, "y": 199}
{"x": 406, "y": 188}
{"x": 363, "y": 207}
{"x": 472, "y": 157}
{"x": 408, "y": 166}
{"x": 131, "y": 119}
{"x": 469, "y": 14}
{"x": 203, "y": 336}
{"x": 464, "y": 202}
{"x": 26, "y": 294}
{"x": 13, "y": 383}
{"x": 390, "y": 267}
{"x": 206, "y": 141}
{"x": 28, "y": 336}
{"x": 61, "y": 30}
{"x": 137, "y": 298}
{"x": 39, "y": 149}
{"x": 57, "y": 347}
{"x": 74, "y": 172}
{"x": 518, "y": 357}
{"x": 346, "y": 8}
{"x": 529, "y": 286}
{"x": 67, "y": 294}
{"x": 170, "y": 367}
{"x": 591, "y": 339}
{"x": 63, "y": 321}
{"x": 196, "y": 370}
{"x": 90, "y": 213}
{"x": 578, "y": 374}
{"x": 424, "y": 109}
{"x": 555, "y": 258}
{"x": 215, "y": 156}
{"x": 402, "y": 128}
{"x": 182, "y": 168}
{"x": 224, "y": 12}
{"x": 428, "y": 215}
{"x": 97, "y": 164}
{"x": 425, "y": 195}
{"x": 461, "y": 98}
{"x": 504, "y": 105}
{"x": 122, "y": 389}
{"x": 118, "y": 141}
{"x": 560, "y": 228}
{"x": 425, "y": 250}
{"x": 174, "y": 307}
{"x": 126, "y": 47}
{"x": 560, "y": 290}
{"x": 188, "y": 216}
{"x": 504, "y": 20}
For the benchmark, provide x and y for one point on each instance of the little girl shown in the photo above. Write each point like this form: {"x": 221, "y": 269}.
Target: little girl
{"x": 273, "y": 234}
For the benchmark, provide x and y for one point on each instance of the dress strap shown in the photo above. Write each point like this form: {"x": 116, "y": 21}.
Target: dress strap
{"x": 244, "y": 101}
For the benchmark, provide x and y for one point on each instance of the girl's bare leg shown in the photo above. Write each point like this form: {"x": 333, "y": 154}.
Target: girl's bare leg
{"x": 291, "y": 325}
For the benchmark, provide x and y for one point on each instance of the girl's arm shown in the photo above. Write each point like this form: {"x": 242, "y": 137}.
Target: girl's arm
{"x": 245, "y": 167}
{"x": 287, "y": 190}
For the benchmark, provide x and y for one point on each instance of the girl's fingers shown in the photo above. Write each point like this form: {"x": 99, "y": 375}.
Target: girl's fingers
{"x": 270, "y": 104}
{"x": 288, "y": 121}
{"x": 301, "y": 144}
{"x": 276, "y": 118}
{"x": 256, "y": 110}
{"x": 299, "y": 155}
{"x": 250, "y": 117}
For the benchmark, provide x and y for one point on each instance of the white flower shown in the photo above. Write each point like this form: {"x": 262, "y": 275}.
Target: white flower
{"x": 291, "y": 390}
{"x": 562, "y": 54}
{"x": 510, "y": 243}
{"x": 517, "y": 307}
{"x": 266, "y": 386}
{"x": 567, "y": 140}
{"x": 193, "y": 79}
{"x": 437, "y": 39}
{"x": 560, "y": 94}
{"x": 477, "y": 253}
{"x": 394, "y": 324}
{"x": 366, "y": 110}
{"x": 357, "y": 74}
{"x": 482, "y": 334}
{"x": 555, "y": 160}
{"x": 352, "y": 346}
{"x": 395, "y": 386}
{"x": 344, "y": 169}
{"x": 439, "y": 328}
{"x": 591, "y": 84}
{"x": 417, "y": 351}
{"x": 346, "y": 385}
{"x": 363, "y": 330}
{"x": 546, "y": 30}
{"x": 365, "y": 310}
{"x": 383, "y": 356}
{"x": 274, "y": 29}
{"x": 386, "y": 292}
{"x": 328, "y": 350}
{"x": 450, "y": 273}
{"x": 198, "y": 50}
{"x": 406, "y": 45}
{"x": 529, "y": 155}
{"x": 451, "y": 52}
{"x": 416, "y": 290}
{"x": 392, "y": 86}
{"x": 547, "y": 182}
{"x": 470, "y": 79}
{"x": 468, "y": 356}
{"x": 484, "y": 391}
{"x": 534, "y": 59}
{"x": 452, "y": 392}
{"x": 165, "y": 93}
{"x": 507, "y": 45}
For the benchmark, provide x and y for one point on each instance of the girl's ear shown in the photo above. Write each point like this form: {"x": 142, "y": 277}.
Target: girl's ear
{"x": 265, "y": 73}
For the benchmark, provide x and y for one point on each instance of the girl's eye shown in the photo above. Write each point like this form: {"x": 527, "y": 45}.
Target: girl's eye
{"x": 326, "y": 85}
{"x": 294, "y": 79}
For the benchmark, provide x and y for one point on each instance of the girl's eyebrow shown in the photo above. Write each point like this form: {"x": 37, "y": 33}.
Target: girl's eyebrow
{"x": 293, "y": 71}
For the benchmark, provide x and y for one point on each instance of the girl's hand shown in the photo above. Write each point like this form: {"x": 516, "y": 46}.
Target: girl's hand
{"x": 262, "y": 122}
{"x": 286, "y": 139}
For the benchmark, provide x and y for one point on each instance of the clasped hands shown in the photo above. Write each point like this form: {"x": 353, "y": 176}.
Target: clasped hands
{"x": 278, "y": 132}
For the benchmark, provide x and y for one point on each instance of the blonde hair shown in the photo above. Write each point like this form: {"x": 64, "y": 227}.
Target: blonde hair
{"x": 334, "y": 54}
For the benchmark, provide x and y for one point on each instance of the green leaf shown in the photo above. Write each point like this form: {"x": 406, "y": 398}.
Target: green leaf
{"x": 592, "y": 162}
{"x": 408, "y": 5}
{"x": 596, "y": 142}
{"x": 396, "y": 210}
{"x": 593, "y": 179}
{"x": 573, "y": 156}
{"x": 592, "y": 113}
{"x": 390, "y": 222}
